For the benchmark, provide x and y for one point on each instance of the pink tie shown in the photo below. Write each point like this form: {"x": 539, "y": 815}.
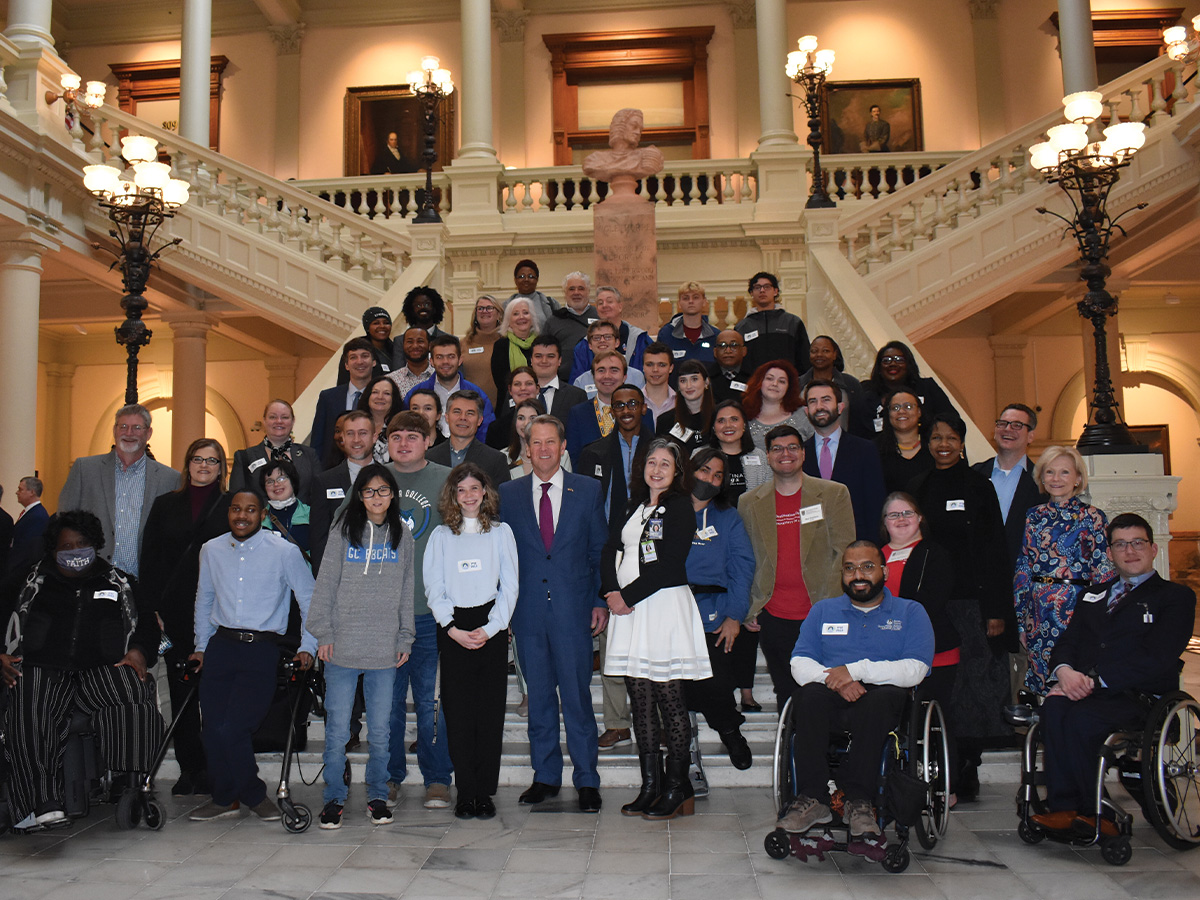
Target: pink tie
{"x": 825, "y": 461}
{"x": 546, "y": 517}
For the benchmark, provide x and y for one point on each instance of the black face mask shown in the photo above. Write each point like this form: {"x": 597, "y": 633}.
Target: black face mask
{"x": 76, "y": 560}
{"x": 703, "y": 491}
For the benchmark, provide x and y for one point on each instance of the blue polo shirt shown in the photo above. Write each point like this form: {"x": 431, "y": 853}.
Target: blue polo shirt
{"x": 836, "y": 633}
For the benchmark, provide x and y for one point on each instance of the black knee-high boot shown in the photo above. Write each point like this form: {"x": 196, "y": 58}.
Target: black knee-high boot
{"x": 677, "y": 797}
{"x": 652, "y": 779}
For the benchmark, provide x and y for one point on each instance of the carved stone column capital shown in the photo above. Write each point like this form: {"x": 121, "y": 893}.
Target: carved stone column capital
{"x": 510, "y": 23}
{"x": 287, "y": 38}
{"x": 742, "y": 13}
{"x": 984, "y": 9}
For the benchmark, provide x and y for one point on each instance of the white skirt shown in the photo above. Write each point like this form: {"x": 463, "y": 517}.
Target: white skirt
{"x": 663, "y": 638}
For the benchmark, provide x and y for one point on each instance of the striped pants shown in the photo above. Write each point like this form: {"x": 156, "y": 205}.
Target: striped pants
{"x": 124, "y": 715}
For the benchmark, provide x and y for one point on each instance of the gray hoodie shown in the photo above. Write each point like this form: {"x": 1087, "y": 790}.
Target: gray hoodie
{"x": 358, "y": 592}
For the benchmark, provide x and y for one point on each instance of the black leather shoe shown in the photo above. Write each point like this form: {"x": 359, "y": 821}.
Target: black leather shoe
{"x": 465, "y": 809}
{"x": 184, "y": 786}
{"x": 589, "y": 799}
{"x": 537, "y": 792}
{"x": 485, "y": 808}
{"x": 739, "y": 750}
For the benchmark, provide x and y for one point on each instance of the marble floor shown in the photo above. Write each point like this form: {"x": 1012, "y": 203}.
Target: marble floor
{"x": 556, "y": 852}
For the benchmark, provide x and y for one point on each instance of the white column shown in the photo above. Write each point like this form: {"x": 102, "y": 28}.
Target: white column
{"x": 476, "y": 83}
{"x": 510, "y": 24}
{"x": 188, "y": 379}
{"x": 1076, "y": 46}
{"x": 287, "y": 40}
{"x": 281, "y": 378}
{"x": 195, "y": 79}
{"x": 29, "y": 22}
{"x": 985, "y": 35}
{"x": 56, "y": 440}
{"x": 775, "y": 107}
{"x": 741, "y": 12}
{"x": 20, "y": 303}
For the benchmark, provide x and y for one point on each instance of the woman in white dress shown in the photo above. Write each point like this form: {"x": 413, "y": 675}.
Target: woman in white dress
{"x": 656, "y": 639}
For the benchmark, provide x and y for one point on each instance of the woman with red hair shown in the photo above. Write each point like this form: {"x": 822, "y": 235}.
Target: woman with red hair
{"x": 773, "y": 398}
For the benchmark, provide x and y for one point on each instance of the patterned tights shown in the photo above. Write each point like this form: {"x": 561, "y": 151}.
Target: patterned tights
{"x": 652, "y": 699}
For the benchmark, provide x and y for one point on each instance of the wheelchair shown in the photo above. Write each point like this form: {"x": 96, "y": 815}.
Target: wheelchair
{"x": 913, "y": 787}
{"x": 1157, "y": 761}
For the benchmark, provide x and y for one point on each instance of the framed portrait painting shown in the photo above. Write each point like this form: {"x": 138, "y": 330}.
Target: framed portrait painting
{"x": 872, "y": 116}
{"x": 384, "y": 131}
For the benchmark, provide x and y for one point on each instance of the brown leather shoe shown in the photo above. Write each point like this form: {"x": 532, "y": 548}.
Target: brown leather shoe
{"x": 614, "y": 737}
{"x": 1059, "y": 820}
{"x": 1087, "y": 824}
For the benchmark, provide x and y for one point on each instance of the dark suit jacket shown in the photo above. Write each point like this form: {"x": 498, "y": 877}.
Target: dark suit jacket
{"x": 27, "y": 537}
{"x": 6, "y": 538}
{"x": 331, "y": 489}
{"x": 493, "y": 462}
{"x": 1026, "y": 497}
{"x": 566, "y": 580}
{"x": 583, "y": 429}
{"x": 722, "y": 387}
{"x": 856, "y": 466}
{"x": 602, "y": 460}
{"x": 331, "y": 403}
{"x": 304, "y": 458}
{"x": 566, "y": 398}
{"x": 1121, "y": 647}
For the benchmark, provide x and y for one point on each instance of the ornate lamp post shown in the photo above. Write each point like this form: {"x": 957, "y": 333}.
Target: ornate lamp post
{"x": 137, "y": 207}
{"x": 432, "y": 84}
{"x": 808, "y": 67}
{"x": 1086, "y": 170}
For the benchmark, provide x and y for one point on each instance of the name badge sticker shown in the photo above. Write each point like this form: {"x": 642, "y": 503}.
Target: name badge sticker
{"x": 900, "y": 555}
{"x": 335, "y": 494}
{"x": 1092, "y": 598}
{"x": 751, "y": 459}
{"x": 738, "y": 385}
{"x": 105, "y": 595}
{"x": 649, "y": 554}
{"x": 655, "y": 530}
{"x": 956, "y": 506}
{"x": 750, "y": 335}
{"x": 835, "y": 628}
{"x": 707, "y": 534}
{"x": 599, "y": 471}
{"x": 590, "y": 389}
{"x": 705, "y": 344}
{"x": 813, "y": 513}
{"x": 473, "y": 350}
{"x": 679, "y": 354}
{"x": 385, "y": 367}
{"x": 470, "y": 565}
{"x": 256, "y": 465}
{"x": 684, "y": 434}
{"x": 590, "y": 321}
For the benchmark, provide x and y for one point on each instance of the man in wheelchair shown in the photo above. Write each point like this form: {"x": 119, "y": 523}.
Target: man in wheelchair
{"x": 855, "y": 659}
{"x": 1124, "y": 642}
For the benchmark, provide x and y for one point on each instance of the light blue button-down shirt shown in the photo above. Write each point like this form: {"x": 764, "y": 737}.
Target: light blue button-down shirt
{"x": 1006, "y": 483}
{"x": 248, "y": 584}
{"x": 130, "y": 495}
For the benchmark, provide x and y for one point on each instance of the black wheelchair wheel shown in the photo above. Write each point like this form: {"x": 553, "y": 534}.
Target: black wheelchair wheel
{"x": 1117, "y": 851}
{"x": 782, "y": 788}
{"x": 777, "y": 845}
{"x": 896, "y": 860}
{"x": 129, "y": 809}
{"x": 1030, "y": 834}
{"x": 297, "y": 819}
{"x": 156, "y": 815}
{"x": 1171, "y": 770}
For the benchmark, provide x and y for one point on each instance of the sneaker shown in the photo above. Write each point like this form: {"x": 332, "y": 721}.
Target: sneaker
{"x": 872, "y": 846}
{"x": 803, "y": 814}
{"x": 54, "y": 818}
{"x": 437, "y": 796}
{"x": 378, "y": 812}
{"x": 267, "y": 810}
{"x": 394, "y": 797}
{"x": 210, "y": 811}
{"x": 861, "y": 818}
{"x": 331, "y": 816}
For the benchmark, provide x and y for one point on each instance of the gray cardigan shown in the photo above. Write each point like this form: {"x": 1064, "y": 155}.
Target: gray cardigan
{"x": 359, "y": 591}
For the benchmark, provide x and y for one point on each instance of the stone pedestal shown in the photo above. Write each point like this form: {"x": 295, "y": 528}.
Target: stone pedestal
{"x": 626, "y": 250}
{"x": 1135, "y": 482}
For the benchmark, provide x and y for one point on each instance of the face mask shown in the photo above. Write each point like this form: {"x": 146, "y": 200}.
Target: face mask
{"x": 703, "y": 491}
{"x": 76, "y": 560}
{"x": 281, "y": 504}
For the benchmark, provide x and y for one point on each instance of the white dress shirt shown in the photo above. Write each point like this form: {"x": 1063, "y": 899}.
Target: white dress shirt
{"x": 556, "y": 492}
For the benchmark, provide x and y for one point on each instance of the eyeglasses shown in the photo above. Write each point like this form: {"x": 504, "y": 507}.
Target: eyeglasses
{"x": 788, "y": 449}
{"x": 281, "y": 480}
{"x": 625, "y": 404}
{"x": 602, "y": 337}
{"x": 762, "y": 286}
{"x": 136, "y": 429}
{"x": 1137, "y": 544}
{"x": 893, "y": 359}
{"x": 210, "y": 460}
{"x": 902, "y": 407}
{"x": 866, "y": 568}
{"x": 900, "y": 514}
{"x": 381, "y": 492}
{"x": 1002, "y": 424}
{"x": 728, "y": 345}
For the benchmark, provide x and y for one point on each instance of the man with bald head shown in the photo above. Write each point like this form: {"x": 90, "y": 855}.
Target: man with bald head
{"x": 728, "y": 375}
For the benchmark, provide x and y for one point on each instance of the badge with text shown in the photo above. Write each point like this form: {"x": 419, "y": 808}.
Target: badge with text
{"x": 956, "y": 506}
{"x": 738, "y": 385}
{"x": 682, "y": 432}
{"x": 679, "y": 354}
{"x": 473, "y": 350}
{"x": 814, "y": 513}
{"x": 750, "y": 335}
{"x": 751, "y": 459}
{"x": 335, "y": 494}
{"x": 835, "y": 628}
{"x": 878, "y": 422}
{"x": 900, "y": 555}
{"x": 256, "y": 465}
{"x": 1092, "y": 598}
{"x": 707, "y": 534}
{"x": 105, "y": 595}
{"x": 649, "y": 554}
{"x": 470, "y": 565}
{"x": 654, "y": 530}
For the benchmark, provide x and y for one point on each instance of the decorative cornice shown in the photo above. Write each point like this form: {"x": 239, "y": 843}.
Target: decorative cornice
{"x": 510, "y": 23}
{"x": 984, "y": 9}
{"x": 287, "y": 38}
{"x": 742, "y": 13}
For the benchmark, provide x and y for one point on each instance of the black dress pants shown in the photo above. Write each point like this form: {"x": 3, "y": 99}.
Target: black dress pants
{"x": 778, "y": 639}
{"x": 713, "y": 697}
{"x": 1073, "y": 732}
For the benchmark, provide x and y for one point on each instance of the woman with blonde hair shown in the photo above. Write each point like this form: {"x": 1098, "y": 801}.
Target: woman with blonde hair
{"x": 482, "y": 334}
{"x": 1064, "y": 551}
{"x": 513, "y": 349}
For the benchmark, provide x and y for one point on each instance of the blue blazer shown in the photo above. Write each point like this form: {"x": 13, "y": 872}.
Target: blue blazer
{"x": 570, "y": 572}
{"x": 857, "y": 466}
{"x": 27, "y": 537}
{"x": 583, "y": 429}
{"x": 331, "y": 403}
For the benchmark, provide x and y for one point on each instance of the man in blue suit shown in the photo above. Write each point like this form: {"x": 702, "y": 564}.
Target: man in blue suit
{"x": 30, "y": 524}
{"x": 558, "y": 521}
{"x": 834, "y": 455}
{"x": 358, "y": 358}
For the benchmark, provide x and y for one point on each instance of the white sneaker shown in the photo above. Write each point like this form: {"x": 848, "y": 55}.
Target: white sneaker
{"x": 437, "y": 796}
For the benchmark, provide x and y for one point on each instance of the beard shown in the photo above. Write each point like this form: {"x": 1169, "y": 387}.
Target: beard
{"x": 862, "y": 591}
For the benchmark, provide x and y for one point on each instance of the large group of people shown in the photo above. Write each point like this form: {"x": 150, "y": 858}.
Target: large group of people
{"x": 556, "y": 479}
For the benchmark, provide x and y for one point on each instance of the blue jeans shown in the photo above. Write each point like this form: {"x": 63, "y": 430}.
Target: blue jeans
{"x": 421, "y": 669}
{"x": 340, "y": 687}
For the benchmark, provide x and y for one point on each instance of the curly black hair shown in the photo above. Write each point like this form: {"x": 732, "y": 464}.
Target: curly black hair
{"x": 439, "y": 305}
{"x": 80, "y": 520}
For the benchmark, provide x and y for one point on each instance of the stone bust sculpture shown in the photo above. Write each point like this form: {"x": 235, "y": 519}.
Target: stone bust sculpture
{"x": 625, "y": 157}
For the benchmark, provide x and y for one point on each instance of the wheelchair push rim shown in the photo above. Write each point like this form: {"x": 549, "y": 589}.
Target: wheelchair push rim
{"x": 1171, "y": 770}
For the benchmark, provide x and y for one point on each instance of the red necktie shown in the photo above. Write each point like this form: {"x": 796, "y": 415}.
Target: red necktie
{"x": 546, "y": 516}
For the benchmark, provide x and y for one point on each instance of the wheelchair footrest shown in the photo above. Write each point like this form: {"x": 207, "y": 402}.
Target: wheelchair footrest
{"x": 812, "y": 844}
